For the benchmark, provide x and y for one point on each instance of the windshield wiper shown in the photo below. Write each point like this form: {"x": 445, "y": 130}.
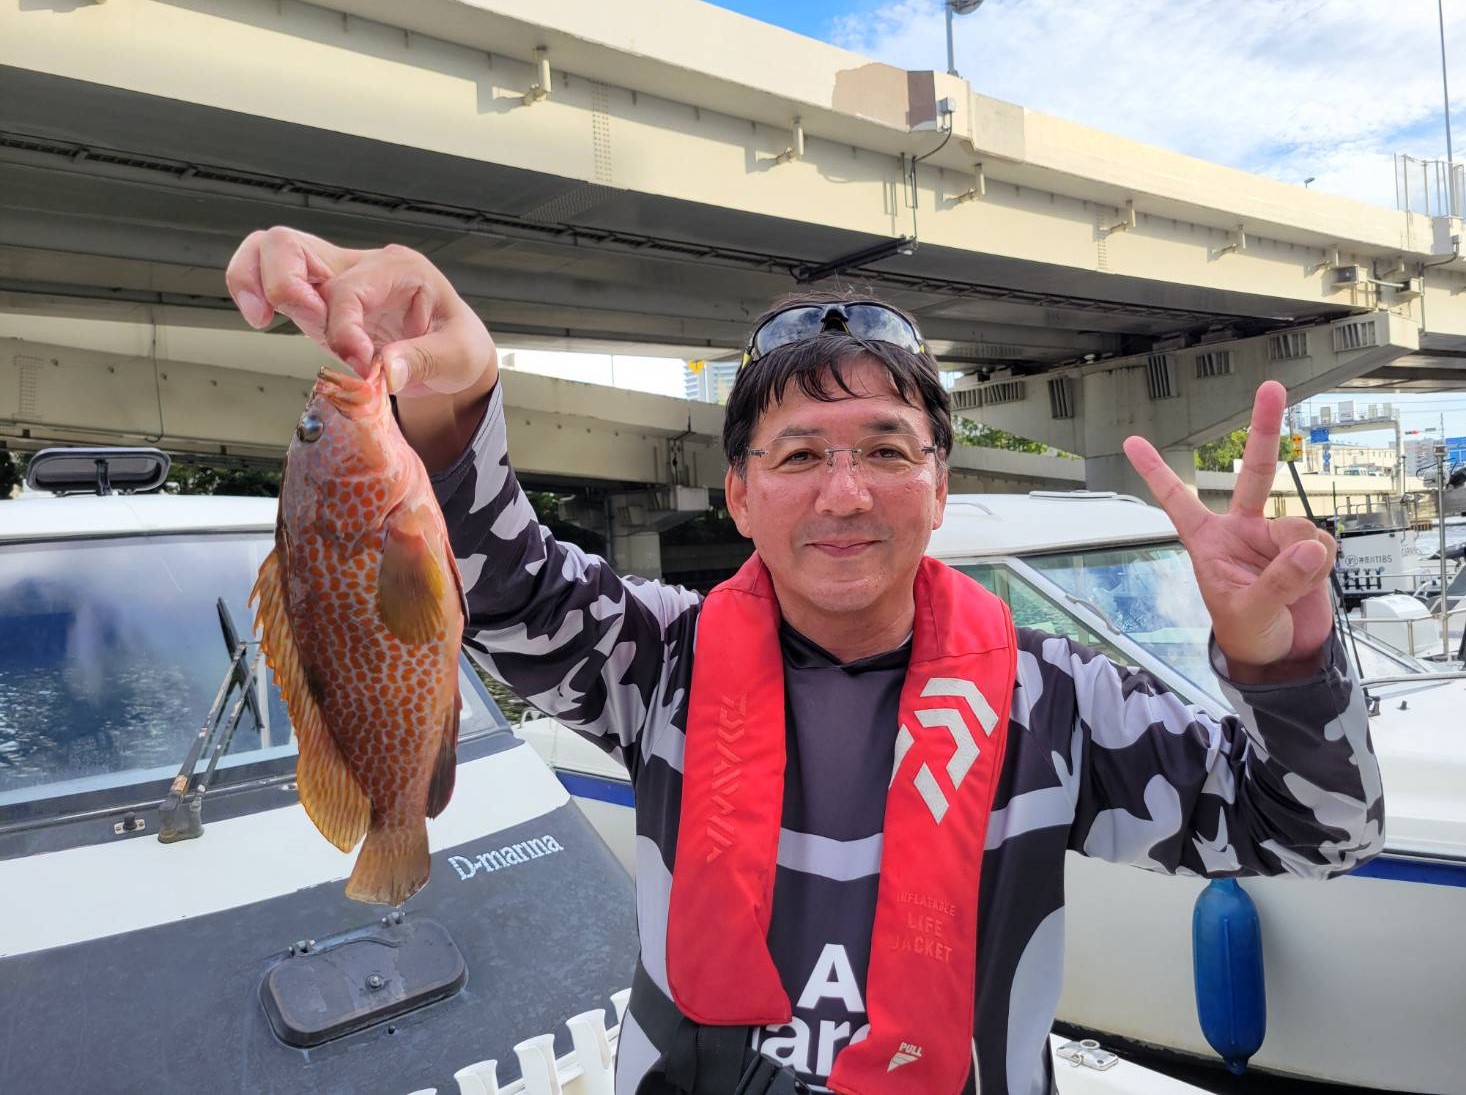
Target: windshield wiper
{"x": 1101, "y": 613}
{"x": 179, "y": 816}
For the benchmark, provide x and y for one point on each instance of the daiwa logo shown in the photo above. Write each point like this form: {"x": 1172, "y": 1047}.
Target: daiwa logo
{"x": 726, "y": 774}
{"x": 956, "y": 724}
{"x": 904, "y": 1056}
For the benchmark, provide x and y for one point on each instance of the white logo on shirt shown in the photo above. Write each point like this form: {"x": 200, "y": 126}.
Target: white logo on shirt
{"x": 956, "y": 724}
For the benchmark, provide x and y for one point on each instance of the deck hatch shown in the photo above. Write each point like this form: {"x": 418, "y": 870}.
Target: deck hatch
{"x": 329, "y": 989}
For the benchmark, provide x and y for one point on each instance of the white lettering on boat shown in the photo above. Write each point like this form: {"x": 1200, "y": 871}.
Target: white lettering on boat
{"x": 510, "y": 855}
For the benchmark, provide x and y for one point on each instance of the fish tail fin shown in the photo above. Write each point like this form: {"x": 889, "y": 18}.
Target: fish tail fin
{"x": 392, "y": 865}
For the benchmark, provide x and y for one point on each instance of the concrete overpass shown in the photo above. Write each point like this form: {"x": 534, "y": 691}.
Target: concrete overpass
{"x": 652, "y": 172}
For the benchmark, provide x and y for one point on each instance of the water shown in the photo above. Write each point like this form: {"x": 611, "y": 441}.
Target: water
{"x": 1455, "y": 534}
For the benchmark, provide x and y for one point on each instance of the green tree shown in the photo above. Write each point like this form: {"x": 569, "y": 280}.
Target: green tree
{"x": 1219, "y": 455}
{"x": 546, "y": 506}
{"x": 11, "y": 475}
{"x": 968, "y": 432}
{"x": 249, "y": 482}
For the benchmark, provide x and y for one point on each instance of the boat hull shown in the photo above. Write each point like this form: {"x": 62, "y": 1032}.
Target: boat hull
{"x": 1365, "y": 976}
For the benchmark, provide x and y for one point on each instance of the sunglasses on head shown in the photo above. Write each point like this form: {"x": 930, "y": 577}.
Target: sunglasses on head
{"x": 869, "y": 320}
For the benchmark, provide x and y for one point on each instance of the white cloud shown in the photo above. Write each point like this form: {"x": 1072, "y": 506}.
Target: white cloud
{"x": 1284, "y": 88}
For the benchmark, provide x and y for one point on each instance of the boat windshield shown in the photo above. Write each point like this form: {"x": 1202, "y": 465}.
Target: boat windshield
{"x": 113, "y": 654}
{"x": 1147, "y": 593}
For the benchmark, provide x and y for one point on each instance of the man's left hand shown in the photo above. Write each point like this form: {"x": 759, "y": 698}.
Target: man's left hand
{"x": 1264, "y": 581}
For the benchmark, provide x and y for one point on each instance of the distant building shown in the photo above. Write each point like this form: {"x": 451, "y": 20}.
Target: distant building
{"x": 1420, "y": 453}
{"x": 711, "y": 383}
{"x": 1336, "y": 458}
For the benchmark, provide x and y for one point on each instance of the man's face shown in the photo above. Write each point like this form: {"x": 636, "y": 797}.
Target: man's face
{"x": 840, "y": 541}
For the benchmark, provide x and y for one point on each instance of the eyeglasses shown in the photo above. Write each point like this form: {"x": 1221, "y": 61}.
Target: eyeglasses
{"x": 864, "y": 319}
{"x": 885, "y": 457}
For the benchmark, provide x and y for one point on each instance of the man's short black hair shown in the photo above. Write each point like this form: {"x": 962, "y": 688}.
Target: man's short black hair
{"x": 818, "y": 366}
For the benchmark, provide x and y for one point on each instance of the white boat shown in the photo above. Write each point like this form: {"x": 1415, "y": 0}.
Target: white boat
{"x": 1365, "y": 975}
{"x": 228, "y": 958}
{"x": 1390, "y": 575}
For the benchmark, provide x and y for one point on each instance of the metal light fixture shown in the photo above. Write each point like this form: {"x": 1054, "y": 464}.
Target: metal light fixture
{"x": 901, "y": 245}
{"x": 956, "y": 7}
{"x": 1307, "y": 181}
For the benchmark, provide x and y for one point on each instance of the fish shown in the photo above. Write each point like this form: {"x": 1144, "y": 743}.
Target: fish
{"x": 360, "y": 611}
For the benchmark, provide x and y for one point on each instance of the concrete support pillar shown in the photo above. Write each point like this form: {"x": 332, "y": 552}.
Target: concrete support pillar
{"x": 1113, "y": 471}
{"x": 1182, "y": 461}
{"x": 633, "y": 523}
{"x": 638, "y": 553}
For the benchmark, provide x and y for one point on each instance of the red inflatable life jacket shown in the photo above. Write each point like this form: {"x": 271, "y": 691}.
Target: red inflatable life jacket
{"x": 921, "y": 980}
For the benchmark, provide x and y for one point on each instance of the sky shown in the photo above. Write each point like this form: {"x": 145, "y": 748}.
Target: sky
{"x": 1292, "y": 89}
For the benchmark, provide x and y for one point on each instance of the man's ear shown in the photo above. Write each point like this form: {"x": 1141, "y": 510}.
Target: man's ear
{"x": 941, "y": 497}
{"x": 735, "y": 492}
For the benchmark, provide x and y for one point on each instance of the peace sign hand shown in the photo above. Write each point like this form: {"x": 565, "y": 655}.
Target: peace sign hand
{"x": 1265, "y": 582}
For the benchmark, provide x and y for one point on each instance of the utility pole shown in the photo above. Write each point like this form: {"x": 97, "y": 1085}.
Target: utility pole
{"x": 1445, "y": 92}
{"x": 1440, "y": 518}
{"x": 956, "y": 7}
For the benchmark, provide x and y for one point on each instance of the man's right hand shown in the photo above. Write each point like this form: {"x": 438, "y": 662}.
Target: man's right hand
{"x": 390, "y": 302}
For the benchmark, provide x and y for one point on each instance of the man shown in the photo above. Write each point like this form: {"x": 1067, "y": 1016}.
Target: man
{"x": 855, "y": 781}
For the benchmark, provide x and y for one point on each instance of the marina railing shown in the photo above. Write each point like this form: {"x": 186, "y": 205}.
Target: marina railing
{"x": 1383, "y": 629}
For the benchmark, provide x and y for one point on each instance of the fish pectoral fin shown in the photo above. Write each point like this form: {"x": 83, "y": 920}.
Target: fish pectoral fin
{"x": 445, "y": 768}
{"x": 412, "y": 582}
{"x": 329, "y": 790}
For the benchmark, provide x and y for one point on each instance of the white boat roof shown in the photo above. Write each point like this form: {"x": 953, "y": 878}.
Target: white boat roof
{"x": 1022, "y": 524}
{"x": 975, "y": 524}
{"x": 41, "y": 516}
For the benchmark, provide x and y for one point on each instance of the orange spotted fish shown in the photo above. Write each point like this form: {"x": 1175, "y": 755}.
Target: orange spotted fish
{"x": 361, "y": 613}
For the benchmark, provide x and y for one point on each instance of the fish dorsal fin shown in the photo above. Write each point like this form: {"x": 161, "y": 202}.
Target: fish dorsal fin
{"x": 412, "y": 584}
{"x": 329, "y": 790}
{"x": 445, "y": 768}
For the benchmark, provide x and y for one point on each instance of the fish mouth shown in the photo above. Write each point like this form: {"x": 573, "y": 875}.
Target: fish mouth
{"x": 353, "y": 396}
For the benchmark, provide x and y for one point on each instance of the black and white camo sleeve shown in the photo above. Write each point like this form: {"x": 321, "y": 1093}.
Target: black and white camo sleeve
{"x": 1287, "y": 785}
{"x": 556, "y": 626}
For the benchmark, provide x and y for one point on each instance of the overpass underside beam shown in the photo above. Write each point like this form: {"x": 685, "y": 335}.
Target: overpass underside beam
{"x": 66, "y": 395}
{"x": 60, "y": 394}
{"x": 1183, "y": 398}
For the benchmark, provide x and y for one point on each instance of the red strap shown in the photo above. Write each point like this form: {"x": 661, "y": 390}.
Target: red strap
{"x": 719, "y": 968}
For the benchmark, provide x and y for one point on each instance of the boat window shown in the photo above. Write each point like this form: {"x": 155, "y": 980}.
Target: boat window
{"x": 1374, "y": 659}
{"x": 1034, "y": 609}
{"x": 1147, "y": 593}
{"x": 111, "y": 654}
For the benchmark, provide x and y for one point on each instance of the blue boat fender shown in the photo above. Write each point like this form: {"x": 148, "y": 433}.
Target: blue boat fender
{"x": 1226, "y": 950}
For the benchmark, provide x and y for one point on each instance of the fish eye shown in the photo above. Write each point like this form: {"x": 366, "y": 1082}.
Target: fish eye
{"x": 310, "y": 427}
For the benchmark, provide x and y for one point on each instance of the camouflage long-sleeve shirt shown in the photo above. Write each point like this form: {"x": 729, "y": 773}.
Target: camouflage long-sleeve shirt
{"x": 1101, "y": 759}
